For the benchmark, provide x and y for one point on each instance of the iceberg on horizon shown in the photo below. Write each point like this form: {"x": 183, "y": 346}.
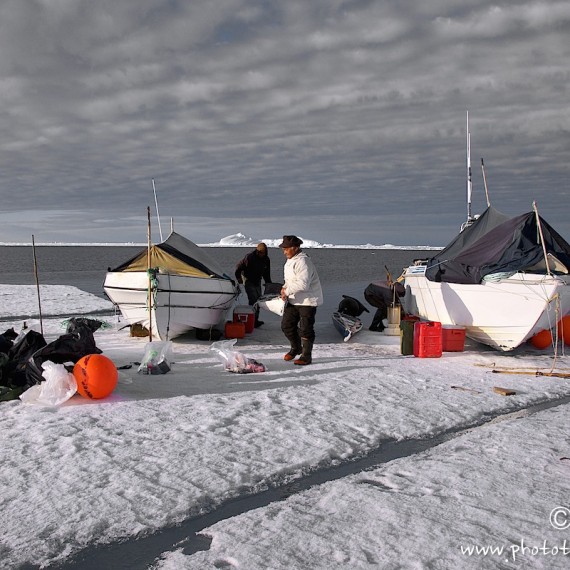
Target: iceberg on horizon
{"x": 239, "y": 240}
{"x": 242, "y": 240}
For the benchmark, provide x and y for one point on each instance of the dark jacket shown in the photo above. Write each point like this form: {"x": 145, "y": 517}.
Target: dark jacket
{"x": 254, "y": 268}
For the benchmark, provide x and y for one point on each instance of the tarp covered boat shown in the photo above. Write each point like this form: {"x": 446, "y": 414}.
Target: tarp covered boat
{"x": 495, "y": 244}
{"x": 187, "y": 288}
{"x": 503, "y": 279}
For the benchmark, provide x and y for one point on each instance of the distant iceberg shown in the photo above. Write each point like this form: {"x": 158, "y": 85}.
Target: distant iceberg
{"x": 242, "y": 240}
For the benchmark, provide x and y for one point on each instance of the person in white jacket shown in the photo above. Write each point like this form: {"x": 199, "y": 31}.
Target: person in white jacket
{"x": 302, "y": 293}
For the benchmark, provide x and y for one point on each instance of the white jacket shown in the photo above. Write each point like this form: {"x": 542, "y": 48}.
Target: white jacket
{"x": 302, "y": 284}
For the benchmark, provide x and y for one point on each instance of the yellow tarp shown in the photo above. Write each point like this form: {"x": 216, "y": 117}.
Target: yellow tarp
{"x": 165, "y": 262}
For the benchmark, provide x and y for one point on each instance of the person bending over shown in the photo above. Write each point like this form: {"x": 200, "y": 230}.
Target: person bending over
{"x": 254, "y": 267}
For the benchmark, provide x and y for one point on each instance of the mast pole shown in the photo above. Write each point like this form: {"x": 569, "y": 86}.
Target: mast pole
{"x": 469, "y": 181}
{"x": 157, "y": 214}
{"x": 149, "y": 263}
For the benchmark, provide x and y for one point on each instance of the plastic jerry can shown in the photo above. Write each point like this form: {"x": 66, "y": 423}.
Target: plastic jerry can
{"x": 427, "y": 339}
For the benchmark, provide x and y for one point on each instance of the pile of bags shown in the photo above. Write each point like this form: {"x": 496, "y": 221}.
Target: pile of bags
{"x": 22, "y": 355}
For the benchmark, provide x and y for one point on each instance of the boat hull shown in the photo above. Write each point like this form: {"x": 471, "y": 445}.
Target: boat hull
{"x": 180, "y": 303}
{"x": 502, "y": 314}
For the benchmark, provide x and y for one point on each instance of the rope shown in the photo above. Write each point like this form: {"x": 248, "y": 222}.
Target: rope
{"x": 152, "y": 275}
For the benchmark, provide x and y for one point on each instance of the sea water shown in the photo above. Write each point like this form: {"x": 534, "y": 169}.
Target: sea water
{"x": 342, "y": 271}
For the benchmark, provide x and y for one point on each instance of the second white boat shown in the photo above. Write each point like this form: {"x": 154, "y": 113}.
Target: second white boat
{"x": 187, "y": 288}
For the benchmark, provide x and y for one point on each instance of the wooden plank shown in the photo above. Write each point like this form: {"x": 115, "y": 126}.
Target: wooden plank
{"x": 503, "y": 391}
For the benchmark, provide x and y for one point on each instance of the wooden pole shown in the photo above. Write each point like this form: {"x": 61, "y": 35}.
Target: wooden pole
{"x": 37, "y": 284}
{"x": 535, "y": 208}
{"x": 157, "y": 213}
{"x": 149, "y": 262}
{"x": 485, "y": 182}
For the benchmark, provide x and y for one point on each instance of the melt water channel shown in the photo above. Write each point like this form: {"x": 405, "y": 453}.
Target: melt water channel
{"x": 141, "y": 552}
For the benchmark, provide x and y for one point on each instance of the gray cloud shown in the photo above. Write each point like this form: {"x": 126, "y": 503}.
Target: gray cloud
{"x": 343, "y": 121}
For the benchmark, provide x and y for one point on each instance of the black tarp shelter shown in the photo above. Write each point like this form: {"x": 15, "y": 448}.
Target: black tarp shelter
{"x": 495, "y": 243}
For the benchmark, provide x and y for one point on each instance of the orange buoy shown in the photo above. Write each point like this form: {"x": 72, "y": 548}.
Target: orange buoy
{"x": 542, "y": 339}
{"x": 564, "y": 329}
{"x": 96, "y": 376}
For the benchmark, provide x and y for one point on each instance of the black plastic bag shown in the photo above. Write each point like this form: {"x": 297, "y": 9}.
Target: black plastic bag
{"x": 14, "y": 373}
{"x": 69, "y": 347}
{"x": 78, "y": 322}
{"x": 7, "y": 340}
{"x": 351, "y": 306}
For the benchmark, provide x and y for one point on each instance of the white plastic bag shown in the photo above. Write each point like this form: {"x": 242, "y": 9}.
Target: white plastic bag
{"x": 273, "y": 303}
{"x": 156, "y": 358}
{"x": 58, "y": 387}
{"x": 235, "y": 361}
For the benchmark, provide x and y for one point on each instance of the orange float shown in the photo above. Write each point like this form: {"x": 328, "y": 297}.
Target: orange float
{"x": 542, "y": 339}
{"x": 564, "y": 329}
{"x": 96, "y": 376}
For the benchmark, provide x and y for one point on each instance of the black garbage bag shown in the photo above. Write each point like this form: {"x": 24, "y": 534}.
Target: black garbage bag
{"x": 6, "y": 343}
{"x": 7, "y": 340}
{"x": 77, "y": 322}
{"x": 69, "y": 347}
{"x": 351, "y": 306}
{"x": 14, "y": 372}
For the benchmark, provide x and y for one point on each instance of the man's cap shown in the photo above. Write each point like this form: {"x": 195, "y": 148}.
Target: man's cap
{"x": 291, "y": 241}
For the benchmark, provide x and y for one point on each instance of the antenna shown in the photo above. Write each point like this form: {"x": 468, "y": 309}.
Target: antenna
{"x": 157, "y": 214}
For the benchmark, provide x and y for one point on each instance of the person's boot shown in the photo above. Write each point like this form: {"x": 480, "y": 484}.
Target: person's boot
{"x": 306, "y": 355}
{"x": 295, "y": 350}
{"x": 258, "y": 323}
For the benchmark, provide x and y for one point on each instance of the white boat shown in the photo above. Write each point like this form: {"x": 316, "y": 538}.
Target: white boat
{"x": 501, "y": 313}
{"x": 187, "y": 288}
{"x": 503, "y": 279}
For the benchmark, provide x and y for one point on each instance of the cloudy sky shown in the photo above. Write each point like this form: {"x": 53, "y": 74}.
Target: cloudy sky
{"x": 340, "y": 121}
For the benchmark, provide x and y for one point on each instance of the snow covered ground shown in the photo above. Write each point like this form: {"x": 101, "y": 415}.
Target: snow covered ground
{"x": 162, "y": 449}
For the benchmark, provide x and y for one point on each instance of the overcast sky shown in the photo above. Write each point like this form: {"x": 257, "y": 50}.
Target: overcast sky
{"x": 340, "y": 121}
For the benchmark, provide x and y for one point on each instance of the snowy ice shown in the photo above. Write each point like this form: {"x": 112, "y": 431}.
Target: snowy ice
{"x": 162, "y": 449}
